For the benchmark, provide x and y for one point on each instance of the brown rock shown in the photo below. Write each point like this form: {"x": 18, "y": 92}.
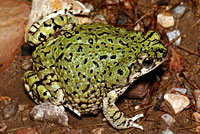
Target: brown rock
{"x": 139, "y": 88}
{"x": 13, "y": 15}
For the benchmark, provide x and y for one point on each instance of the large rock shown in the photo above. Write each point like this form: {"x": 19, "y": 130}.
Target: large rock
{"x": 13, "y": 17}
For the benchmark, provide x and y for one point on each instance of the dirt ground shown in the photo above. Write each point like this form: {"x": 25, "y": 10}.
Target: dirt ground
{"x": 12, "y": 85}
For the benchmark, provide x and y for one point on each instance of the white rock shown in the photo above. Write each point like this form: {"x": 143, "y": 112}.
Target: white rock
{"x": 177, "y": 102}
{"x": 165, "y": 19}
{"x": 167, "y": 131}
{"x": 89, "y": 6}
{"x": 180, "y": 10}
{"x": 172, "y": 35}
{"x": 168, "y": 119}
{"x": 48, "y": 112}
{"x": 137, "y": 27}
{"x": 100, "y": 18}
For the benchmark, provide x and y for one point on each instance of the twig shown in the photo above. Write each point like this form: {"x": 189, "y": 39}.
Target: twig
{"x": 188, "y": 81}
{"x": 141, "y": 18}
{"x": 187, "y": 50}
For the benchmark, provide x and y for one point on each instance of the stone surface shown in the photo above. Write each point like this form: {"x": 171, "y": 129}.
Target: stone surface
{"x": 177, "y": 102}
{"x": 13, "y": 15}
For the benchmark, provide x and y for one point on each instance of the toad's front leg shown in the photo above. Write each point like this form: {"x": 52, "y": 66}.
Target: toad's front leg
{"x": 114, "y": 116}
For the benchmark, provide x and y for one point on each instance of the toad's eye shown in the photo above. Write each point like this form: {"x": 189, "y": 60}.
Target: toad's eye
{"x": 148, "y": 62}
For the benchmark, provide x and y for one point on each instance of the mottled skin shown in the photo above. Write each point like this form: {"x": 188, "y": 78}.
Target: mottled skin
{"x": 86, "y": 67}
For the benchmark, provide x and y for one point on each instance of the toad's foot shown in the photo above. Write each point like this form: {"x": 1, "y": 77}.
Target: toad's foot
{"x": 114, "y": 116}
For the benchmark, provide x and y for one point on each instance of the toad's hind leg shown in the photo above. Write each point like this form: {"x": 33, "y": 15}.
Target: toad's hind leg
{"x": 43, "y": 87}
{"x": 112, "y": 113}
{"x": 44, "y": 28}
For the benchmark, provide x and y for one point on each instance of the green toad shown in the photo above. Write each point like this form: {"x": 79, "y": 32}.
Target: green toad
{"x": 86, "y": 67}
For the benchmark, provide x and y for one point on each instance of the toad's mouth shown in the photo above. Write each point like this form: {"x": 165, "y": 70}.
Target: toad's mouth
{"x": 144, "y": 70}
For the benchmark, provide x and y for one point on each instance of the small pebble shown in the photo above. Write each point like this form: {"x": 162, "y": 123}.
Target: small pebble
{"x": 196, "y": 93}
{"x": 172, "y": 35}
{"x": 137, "y": 27}
{"x": 177, "y": 102}
{"x": 197, "y": 119}
{"x": 10, "y": 110}
{"x": 48, "y": 112}
{"x": 137, "y": 107}
{"x": 112, "y": 2}
{"x": 89, "y": 6}
{"x": 26, "y": 64}
{"x": 128, "y": 4}
{"x": 196, "y": 116}
{"x": 99, "y": 18}
{"x": 98, "y": 131}
{"x": 179, "y": 11}
{"x": 178, "y": 91}
{"x": 167, "y": 131}
{"x": 165, "y": 19}
{"x": 168, "y": 119}
{"x": 22, "y": 107}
